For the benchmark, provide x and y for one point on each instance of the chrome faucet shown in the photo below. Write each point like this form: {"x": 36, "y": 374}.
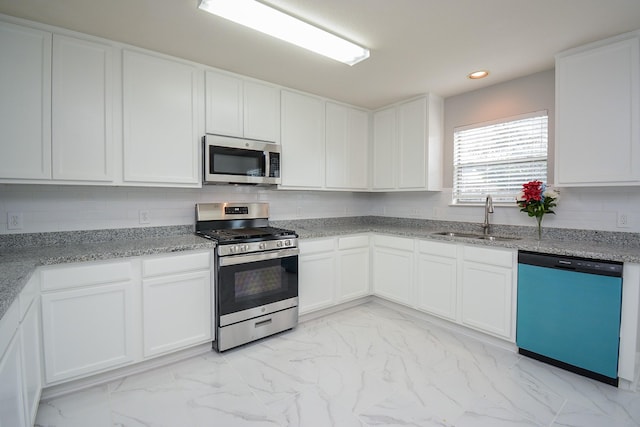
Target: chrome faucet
{"x": 488, "y": 208}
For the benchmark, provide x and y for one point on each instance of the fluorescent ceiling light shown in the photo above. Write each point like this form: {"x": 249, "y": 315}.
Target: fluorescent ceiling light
{"x": 261, "y": 17}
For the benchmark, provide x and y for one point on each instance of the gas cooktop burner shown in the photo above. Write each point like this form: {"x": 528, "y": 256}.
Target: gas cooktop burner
{"x": 245, "y": 234}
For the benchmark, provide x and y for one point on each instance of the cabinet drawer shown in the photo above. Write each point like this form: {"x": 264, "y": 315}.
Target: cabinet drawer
{"x": 86, "y": 274}
{"x": 171, "y": 264}
{"x": 315, "y": 246}
{"x": 352, "y": 242}
{"x": 449, "y": 250}
{"x": 502, "y": 258}
{"x": 394, "y": 242}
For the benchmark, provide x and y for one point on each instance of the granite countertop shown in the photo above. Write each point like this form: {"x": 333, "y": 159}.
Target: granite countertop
{"x": 21, "y": 254}
{"x": 611, "y": 246}
{"x": 18, "y": 263}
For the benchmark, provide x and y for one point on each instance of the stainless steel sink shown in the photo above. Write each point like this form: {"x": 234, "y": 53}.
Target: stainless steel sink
{"x": 475, "y": 236}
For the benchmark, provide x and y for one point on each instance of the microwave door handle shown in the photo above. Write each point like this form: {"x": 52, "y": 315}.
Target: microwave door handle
{"x": 263, "y": 256}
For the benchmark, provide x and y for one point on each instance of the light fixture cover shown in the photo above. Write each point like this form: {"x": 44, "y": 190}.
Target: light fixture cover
{"x": 480, "y": 74}
{"x": 265, "y": 19}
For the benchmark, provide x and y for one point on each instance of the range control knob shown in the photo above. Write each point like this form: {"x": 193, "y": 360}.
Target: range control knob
{"x": 279, "y": 244}
{"x": 262, "y": 246}
{"x": 287, "y": 242}
{"x": 233, "y": 249}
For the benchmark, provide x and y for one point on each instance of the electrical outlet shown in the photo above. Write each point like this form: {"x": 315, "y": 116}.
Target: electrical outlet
{"x": 14, "y": 221}
{"x": 144, "y": 217}
{"x": 623, "y": 220}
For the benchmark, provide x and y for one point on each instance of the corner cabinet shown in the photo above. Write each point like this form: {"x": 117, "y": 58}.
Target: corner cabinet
{"x": 392, "y": 268}
{"x": 407, "y": 146}
{"x": 598, "y": 113}
{"x": 242, "y": 108}
{"x": 303, "y": 144}
{"x": 162, "y": 120}
{"x": 347, "y": 148}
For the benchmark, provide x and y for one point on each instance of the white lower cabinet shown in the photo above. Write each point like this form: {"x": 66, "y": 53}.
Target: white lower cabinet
{"x": 487, "y": 290}
{"x": 393, "y": 268}
{"x": 87, "y": 318}
{"x": 317, "y": 274}
{"x": 32, "y": 360}
{"x": 12, "y": 407}
{"x": 353, "y": 268}
{"x": 437, "y": 283}
{"x": 176, "y": 304}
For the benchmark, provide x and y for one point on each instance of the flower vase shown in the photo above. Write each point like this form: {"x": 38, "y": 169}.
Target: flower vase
{"x": 539, "y": 219}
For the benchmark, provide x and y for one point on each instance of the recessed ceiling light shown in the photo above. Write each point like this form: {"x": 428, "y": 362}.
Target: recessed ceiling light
{"x": 480, "y": 74}
{"x": 263, "y": 18}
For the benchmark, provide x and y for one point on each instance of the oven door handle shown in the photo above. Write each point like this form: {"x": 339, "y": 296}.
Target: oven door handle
{"x": 263, "y": 256}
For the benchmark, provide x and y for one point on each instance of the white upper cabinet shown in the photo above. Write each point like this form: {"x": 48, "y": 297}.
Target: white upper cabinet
{"x": 598, "y": 114}
{"x": 303, "y": 144}
{"x": 407, "y": 146}
{"x": 82, "y": 98}
{"x": 242, "y": 108}
{"x": 347, "y": 143}
{"x": 161, "y": 120}
{"x": 25, "y": 103}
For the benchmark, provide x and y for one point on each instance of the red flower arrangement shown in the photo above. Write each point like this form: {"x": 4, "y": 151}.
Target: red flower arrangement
{"x": 536, "y": 199}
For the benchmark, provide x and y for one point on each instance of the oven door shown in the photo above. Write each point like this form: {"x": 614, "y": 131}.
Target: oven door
{"x": 248, "y": 283}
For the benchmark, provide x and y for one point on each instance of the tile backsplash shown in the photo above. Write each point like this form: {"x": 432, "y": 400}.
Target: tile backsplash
{"x": 45, "y": 208}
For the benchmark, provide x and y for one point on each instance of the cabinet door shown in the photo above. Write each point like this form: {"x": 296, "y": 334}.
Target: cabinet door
{"x": 82, "y": 144}
{"x": 11, "y": 386}
{"x": 32, "y": 362}
{"x": 161, "y": 113}
{"x": 303, "y": 156}
{"x": 224, "y": 108}
{"x": 437, "y": 281}
{"x": 176, "y": 311}
{"x": 384, "y": 149}
{"x": 353, "y": 265}
{"x": 412, "y": 144}
{"x": 487, "y": 298}
{"x": 25, "y": 104}
{"x": 261, "y": 112}
{"x": 346, "y": 147}
{"x": 87, "y": 330}
{"x": 316, "y": 275}
{"x": 393, "y": 269}
{"x": 598, "y": 107}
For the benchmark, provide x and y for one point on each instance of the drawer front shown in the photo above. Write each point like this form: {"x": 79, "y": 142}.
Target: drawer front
{"x": 86, "y": 274}
{"x": 352, "y": 242}
{"x": 394, "y": 242}
{"x": 315, "y": 246}
{"x": 29, "y": 294}
{"x": 449, "y": 250}
{"x": 502, "y": 258}
{"x": 171, "y": 264}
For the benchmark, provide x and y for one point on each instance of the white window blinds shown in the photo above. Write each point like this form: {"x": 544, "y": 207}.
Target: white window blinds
{"x": 498, "y": 157}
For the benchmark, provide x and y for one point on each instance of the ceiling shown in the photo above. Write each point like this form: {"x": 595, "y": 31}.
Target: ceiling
{"x": 417, "y": 46}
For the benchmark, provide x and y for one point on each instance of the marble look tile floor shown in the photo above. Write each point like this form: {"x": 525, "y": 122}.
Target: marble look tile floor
{"x": 365, "y": 366}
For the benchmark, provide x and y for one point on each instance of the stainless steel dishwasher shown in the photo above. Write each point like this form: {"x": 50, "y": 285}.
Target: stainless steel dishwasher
{"x": 569, "y": 313}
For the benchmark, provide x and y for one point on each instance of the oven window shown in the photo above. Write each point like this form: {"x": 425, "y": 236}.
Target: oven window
{"x": 250, "y": 285}
{"x": 232, "y": 161}
{"x": 260, "y": 282}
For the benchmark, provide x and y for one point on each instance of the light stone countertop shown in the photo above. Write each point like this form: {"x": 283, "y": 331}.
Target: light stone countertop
{"x": 19, "y": 255}
{"x": 17, "y": 264}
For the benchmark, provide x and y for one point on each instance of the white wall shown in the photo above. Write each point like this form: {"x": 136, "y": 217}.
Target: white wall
{"x": 63, "y": 208}
{"x": 60, "y": 208}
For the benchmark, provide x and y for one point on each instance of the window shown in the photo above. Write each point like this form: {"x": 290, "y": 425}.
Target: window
{"x": 498, "y": 157}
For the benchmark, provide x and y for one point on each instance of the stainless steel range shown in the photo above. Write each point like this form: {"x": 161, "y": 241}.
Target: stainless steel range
{"x": 256, "y": 284}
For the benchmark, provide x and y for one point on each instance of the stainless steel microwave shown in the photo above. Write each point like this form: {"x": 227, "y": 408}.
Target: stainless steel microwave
{"x": 240, "y": 161}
